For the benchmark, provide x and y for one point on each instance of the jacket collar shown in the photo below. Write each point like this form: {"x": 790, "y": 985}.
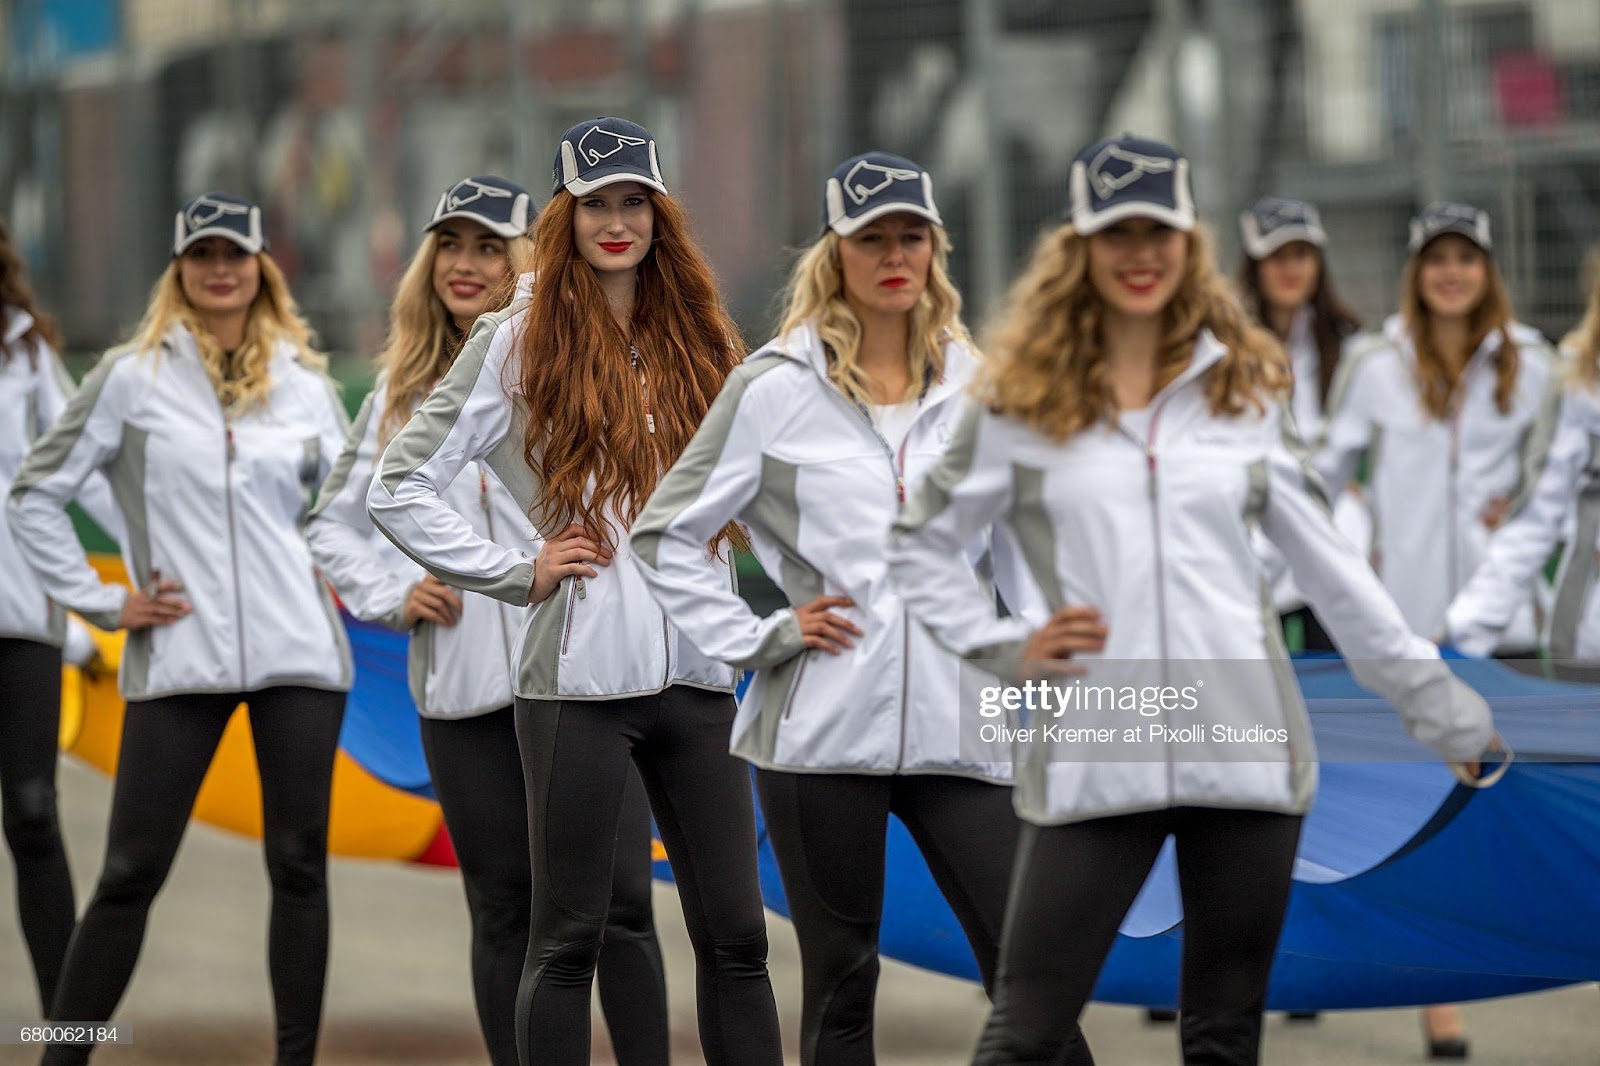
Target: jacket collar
{"x": 1208, "y": 352}
{"x": 804, "y": 345}
{"x": 17, "y": 322}
{"x": 1394, "y": 330}
{"x": 180, "y": 341}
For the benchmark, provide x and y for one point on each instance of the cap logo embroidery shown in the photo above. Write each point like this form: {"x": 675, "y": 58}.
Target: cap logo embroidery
{"x": 204, "y": 211}
{"x": 469, "y": 191}
{"x": 1116, "y": 168}
{"x": 866, "y": 180}
{"x": 600, "y": 144}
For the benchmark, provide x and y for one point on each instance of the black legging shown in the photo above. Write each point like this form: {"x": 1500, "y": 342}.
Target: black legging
{"x": 829, "y": 833}
{"x": 478, "y": 777}
{"x": 167, "y": 746}
{"x": 30, "y": 724}
{"x": 1073, "y": 885}
{"x": 575, "y": 763}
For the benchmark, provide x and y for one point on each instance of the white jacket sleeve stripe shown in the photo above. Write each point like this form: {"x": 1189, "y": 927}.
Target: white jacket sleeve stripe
{"x": 1384, "y": 655}
{"x": 341, "y": 533}
{"x": 86, "y": 436}
{"x": 54, "y": 389}
{"x": 463, "y": 419}
{"x": 713, "y": 481}
{"x": 961, "y": 496}
{"x": 1537, "y": 440}
{"x": 1346, "y": 429}
{"x": 1499, "y": 587}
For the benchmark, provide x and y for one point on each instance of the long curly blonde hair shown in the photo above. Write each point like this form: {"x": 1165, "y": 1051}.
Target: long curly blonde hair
{"x": 423, "y": 338}
{"x": 815, "y": 294}
{"x": 1584, "y": 341}
{"x": 1046, "y": 361}
{"x": 273, "y": 317}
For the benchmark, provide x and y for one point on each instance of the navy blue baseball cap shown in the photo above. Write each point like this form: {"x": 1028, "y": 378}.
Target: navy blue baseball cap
{"x": 869, "y": 186}
{"x": 604, "y": 151}
{"x": 1130, "y": 177}
{"x": 500, "y": 206}
{"x": 216, "y": 214}
{"x": 1443, "y": 216}
{"x": 1274, "y": 221}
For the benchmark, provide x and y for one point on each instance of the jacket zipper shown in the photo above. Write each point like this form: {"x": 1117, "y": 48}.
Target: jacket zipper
{"x": 233, "y": 544}
{"x": 488, "y": 518}
{"x": 1153, "y": 491}
{"x": 566, "y": 633}
{"x": 897, "y": 465}
{"x": 794, "y": 686}
{"x": 1451, "y": 562}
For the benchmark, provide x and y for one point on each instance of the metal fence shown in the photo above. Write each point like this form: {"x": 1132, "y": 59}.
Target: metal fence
{"x": 346, "y": 119}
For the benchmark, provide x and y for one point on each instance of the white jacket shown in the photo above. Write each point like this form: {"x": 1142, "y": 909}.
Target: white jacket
{"x": 454, "y": 671}
{"x": 214, "y": 503}
{"x": 599, "y": 639}
{"x": 1154, "y": 530}
{"x": 34, "y": 388}
{"x": 803, "y": 467}
{"x": 1568, "y": 488}
{"x": 1349, "y": 513}
{"x": 1431, "y": 479}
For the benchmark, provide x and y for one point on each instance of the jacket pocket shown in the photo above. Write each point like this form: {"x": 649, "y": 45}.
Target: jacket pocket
{"x": 794, "y": 686}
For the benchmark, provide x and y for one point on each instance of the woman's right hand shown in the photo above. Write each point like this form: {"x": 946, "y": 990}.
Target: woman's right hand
{"x": 1069, "y": 630}
{"x": 157, "y": 604}
{"x": 431, "y": 600}
{"x": 574, "y": 552}
{"x": 822, "y": 629}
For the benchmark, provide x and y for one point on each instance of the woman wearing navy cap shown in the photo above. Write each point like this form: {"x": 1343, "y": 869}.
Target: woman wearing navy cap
{"x": 853, "y": 714}
{"x": 579, "y": 395}
{"x": 1287, "y": 287}
{"x": 215, "y": 424}
{"x": 1127, "y": 434}
{"x": 475, "y": 247}
{"x": 1454, "y": 407}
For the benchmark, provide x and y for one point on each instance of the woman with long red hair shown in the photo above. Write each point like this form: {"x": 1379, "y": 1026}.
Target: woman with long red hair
{"x": 579, "y": 396}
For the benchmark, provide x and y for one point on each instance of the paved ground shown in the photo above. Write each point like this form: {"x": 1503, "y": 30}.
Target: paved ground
{"x": 398, "y": 991}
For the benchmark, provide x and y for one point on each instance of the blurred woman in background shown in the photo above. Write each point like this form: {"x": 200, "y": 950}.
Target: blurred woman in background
{"x": 1288, "y": 289}
{"x": 34, "y": 389}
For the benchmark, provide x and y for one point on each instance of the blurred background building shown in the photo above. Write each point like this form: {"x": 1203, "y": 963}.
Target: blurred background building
{"x": 346, "y": 118}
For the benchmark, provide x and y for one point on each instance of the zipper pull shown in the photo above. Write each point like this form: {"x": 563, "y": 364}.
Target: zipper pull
{"x": 649, "y": 420}
{"x": 1150, "y": 469}
{"x": 900, "y": 488}
{"x": 232, "y": 450}
{"x": 579, "y": 587}
{"x": 483, "y": 489}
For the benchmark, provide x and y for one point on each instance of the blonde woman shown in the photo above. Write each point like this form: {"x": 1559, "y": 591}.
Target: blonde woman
{"x": 852, "y": 715}
{"x": 1453, "y": 407}
{"x": 1128, "y": 434}
{"x": 1570, "y": 485}
{"x": 474, "y": 247}
{"x": 215, "y": 425}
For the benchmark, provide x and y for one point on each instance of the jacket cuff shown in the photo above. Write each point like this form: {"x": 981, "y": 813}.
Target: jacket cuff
{"x": 108, "y": 617}
{"x": 395, "y": 618}
{"x": 781, "y": 642}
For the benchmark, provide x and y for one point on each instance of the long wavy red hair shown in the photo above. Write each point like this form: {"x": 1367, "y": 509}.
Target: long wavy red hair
{"x": 574, "y": 370}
